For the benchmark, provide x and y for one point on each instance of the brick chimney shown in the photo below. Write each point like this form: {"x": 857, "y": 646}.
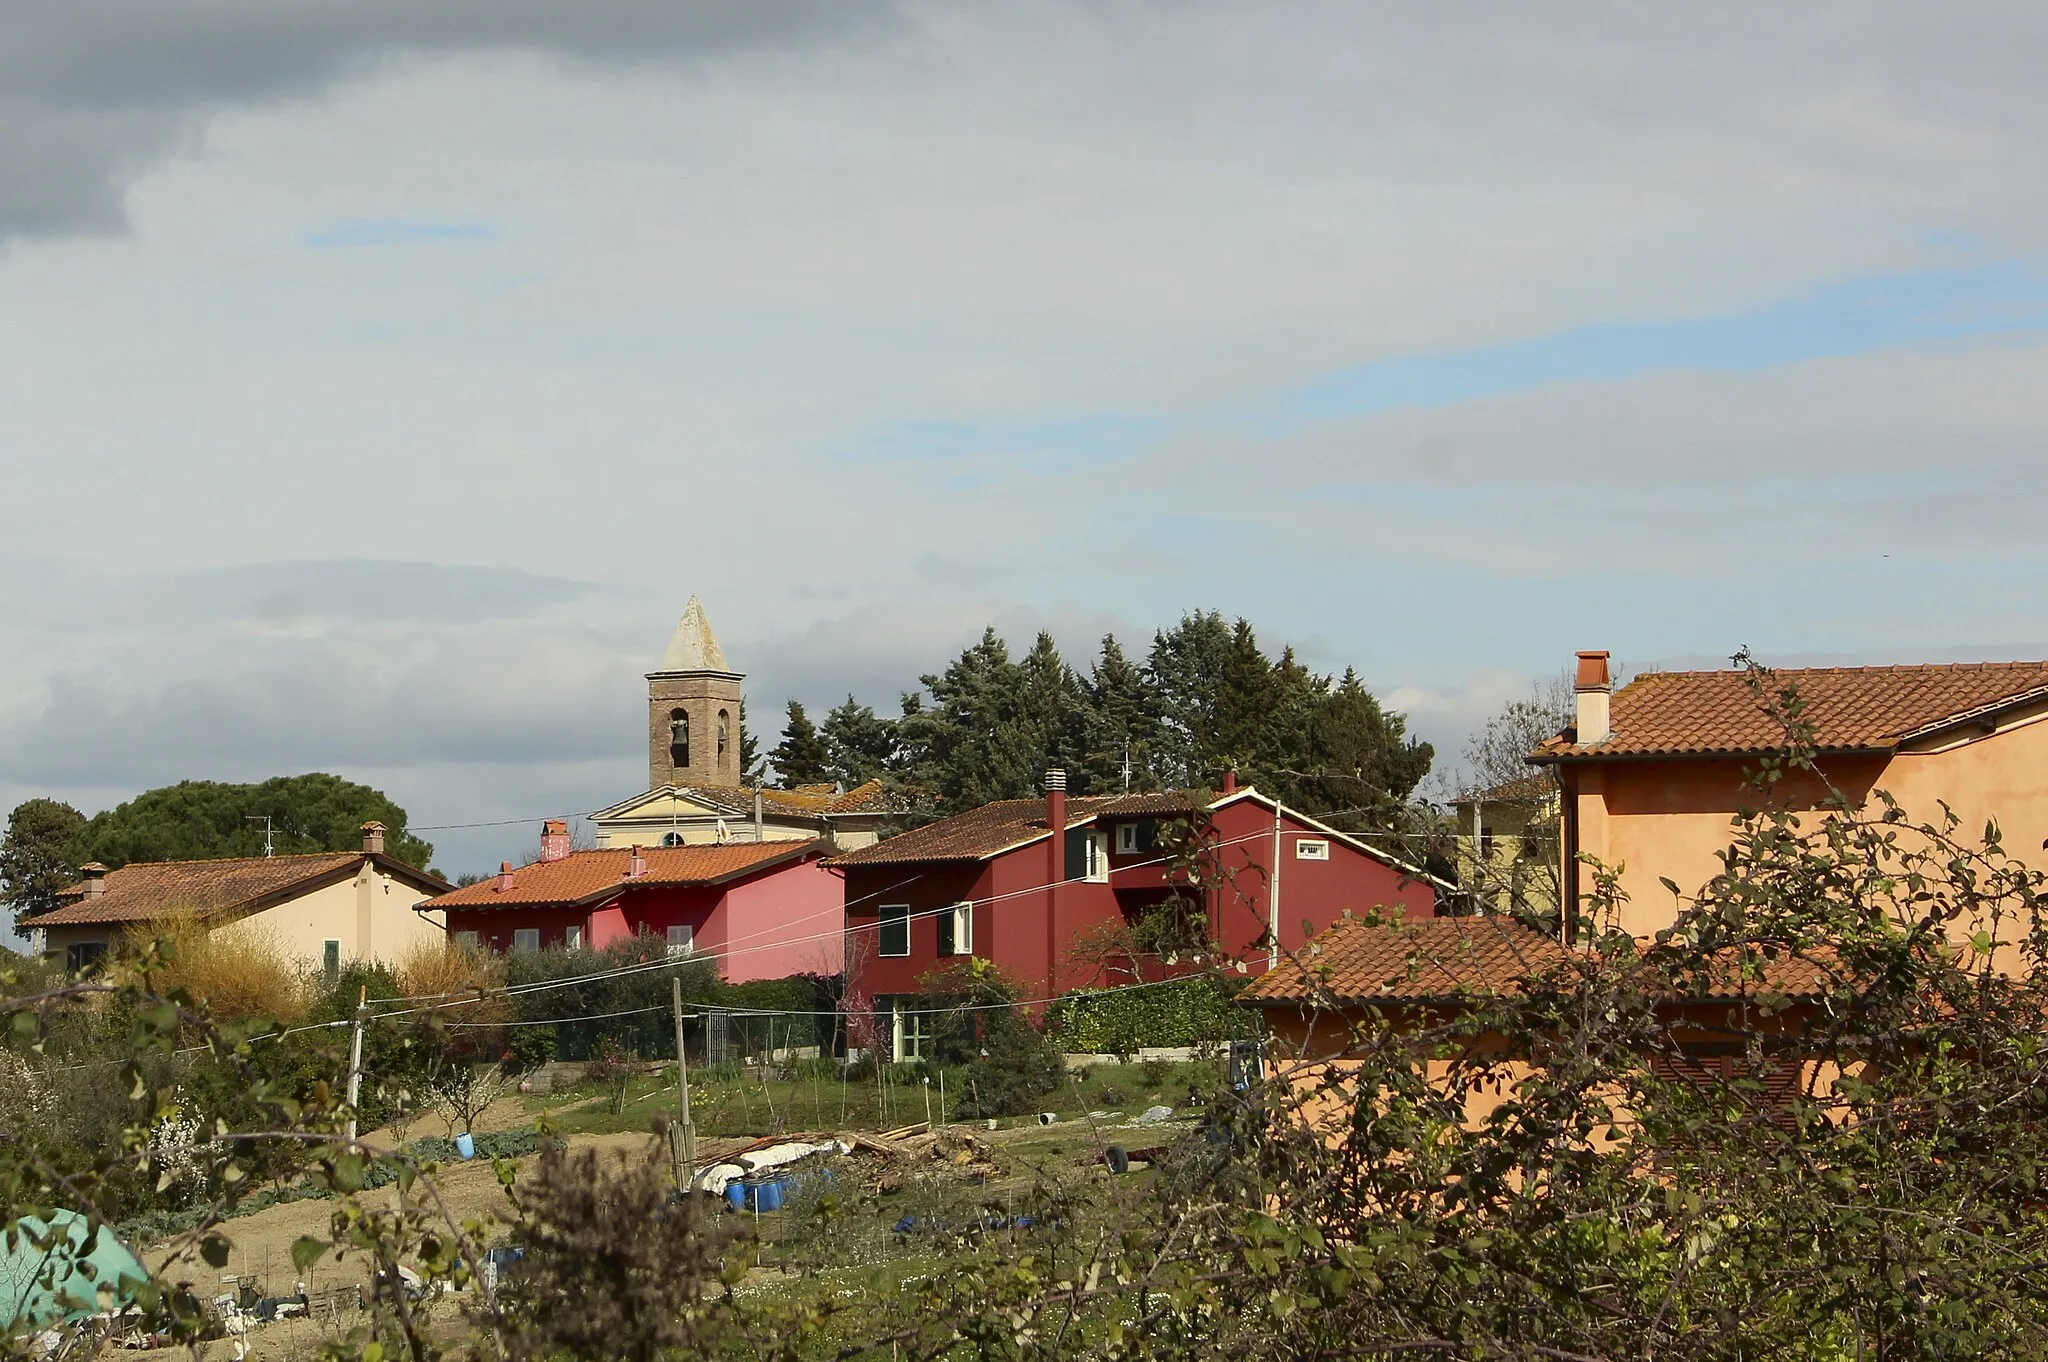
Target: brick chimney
{"x": 636, "y": 864}
{"x": 373, "y": 839}
{"x": 1592, "y": 686}
{"x": 95, "y": 879}
{"x": 1230, "y": 781}
{"x": 504, "y": 880}
{"x": 554, "y": 840}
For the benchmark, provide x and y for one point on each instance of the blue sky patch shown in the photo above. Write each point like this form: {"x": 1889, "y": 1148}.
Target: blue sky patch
{"x": 1849, "y": 317}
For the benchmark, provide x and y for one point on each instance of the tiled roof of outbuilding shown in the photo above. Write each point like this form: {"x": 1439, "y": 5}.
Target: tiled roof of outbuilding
{"x": 993, "y": 828}
{"x": 1356, "y": 961}
{"x": 151, "y": 891}
{"x": 584, "y": 875}
{"x": 1853, "y": 709}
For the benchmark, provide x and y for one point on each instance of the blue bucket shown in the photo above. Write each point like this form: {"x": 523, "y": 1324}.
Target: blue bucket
{"x": 465, "y": 1145}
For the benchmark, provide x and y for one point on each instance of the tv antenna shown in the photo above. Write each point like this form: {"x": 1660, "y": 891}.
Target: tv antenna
{"x": 269, "y": 849}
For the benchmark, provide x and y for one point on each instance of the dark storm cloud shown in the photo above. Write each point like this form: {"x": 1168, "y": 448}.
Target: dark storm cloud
{"x": 91, "y": 91}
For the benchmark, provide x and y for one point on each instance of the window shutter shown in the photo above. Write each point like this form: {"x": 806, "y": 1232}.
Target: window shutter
{"x": 946, "y": 933}
{"x": 1148, "y": 835}
{"x": 1077, "y": 853}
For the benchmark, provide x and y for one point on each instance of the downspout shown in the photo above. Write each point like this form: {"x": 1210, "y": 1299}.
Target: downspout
{"x": 1568, "y": 847}
{"x": 1055, "y": 870}
{"x": 1273, "y": 898}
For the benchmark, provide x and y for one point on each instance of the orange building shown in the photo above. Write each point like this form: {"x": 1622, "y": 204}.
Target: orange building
{"x": 1653, "y": 775}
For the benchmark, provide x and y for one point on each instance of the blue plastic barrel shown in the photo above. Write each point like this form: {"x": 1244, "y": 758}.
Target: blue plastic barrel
{"x": 465, "y": 1145}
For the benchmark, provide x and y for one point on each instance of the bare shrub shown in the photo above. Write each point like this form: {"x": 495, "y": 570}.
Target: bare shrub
{"x": 612, "y": 1267}
{"x": 468, "y": 1091}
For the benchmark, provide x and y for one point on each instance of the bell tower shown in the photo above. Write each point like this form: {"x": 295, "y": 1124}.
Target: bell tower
{"x": 693, "y": 710}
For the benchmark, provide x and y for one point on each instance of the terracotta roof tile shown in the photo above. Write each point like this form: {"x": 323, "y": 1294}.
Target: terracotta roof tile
{"x": 980, "y": 833}
{"x": 150, "y": 891}
{"x": 1853, "y": 709}
{"x": 584, "y": 875}
{"x": 1423, "y": 960}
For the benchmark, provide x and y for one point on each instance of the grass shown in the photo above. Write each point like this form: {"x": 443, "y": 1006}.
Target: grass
{"x": 731, "y": 1102}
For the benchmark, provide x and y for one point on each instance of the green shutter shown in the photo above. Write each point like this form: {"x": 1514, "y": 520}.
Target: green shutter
{"x": 1077, "y": 853}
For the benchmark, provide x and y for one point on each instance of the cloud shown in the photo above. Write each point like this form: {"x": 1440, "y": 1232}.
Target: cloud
{"x": 393, "y": 234}
{"x": 91, "y": 91}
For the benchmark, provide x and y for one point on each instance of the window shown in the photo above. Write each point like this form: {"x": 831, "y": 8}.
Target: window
{"x": 682, "y": 939}
{"x": 83, "y": 955}
{"x": 913, "y": 1034}
{"x": 330, "y": 959}
{"x": 1311, "y": 849}
{"x": 724, "y": 721}
{"x": 895, "y": 929}
{"x": 956, "y": 930}
{"x": 1127, "y": 839}
{"x": 678, "y": 737}
{"x": 1087, "y": 855}
{"x": 467, "y": 940}
{"x": 525, "y": 939}
{"x": 672, "y": 839}
{"x": 572, "y": 937}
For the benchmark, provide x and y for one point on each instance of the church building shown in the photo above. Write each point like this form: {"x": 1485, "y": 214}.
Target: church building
{"x": 697, "y": 790}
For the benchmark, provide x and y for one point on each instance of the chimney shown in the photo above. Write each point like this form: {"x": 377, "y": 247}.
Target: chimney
{"x": 95, "y": 879}
{"x": 554, "y": 840}
{"x": 1056, "y": 801}
{"x": 373, "y": 839}
{"x": 759, "y": 831}
{"x": 504, "y": 880}
{"x": 1592, "y": 687}
{"x": 636, "y": 864}
{"x": 1230, "y": 781}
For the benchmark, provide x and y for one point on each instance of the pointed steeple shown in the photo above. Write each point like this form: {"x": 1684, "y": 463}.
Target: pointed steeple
{"x": 693, "y": 647}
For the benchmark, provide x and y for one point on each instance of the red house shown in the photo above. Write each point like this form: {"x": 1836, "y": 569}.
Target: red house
{"x": 995, "y": 883}
{"x": 762, "y": 910}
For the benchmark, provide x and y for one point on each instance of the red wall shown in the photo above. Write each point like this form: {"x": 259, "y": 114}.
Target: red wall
{"x": 785, "y": 921}
{"x": 1011, "y": 904}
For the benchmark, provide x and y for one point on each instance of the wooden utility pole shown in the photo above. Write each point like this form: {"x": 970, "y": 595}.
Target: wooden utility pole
{"x": 687, "y": 1136}
{"x": 355, "y": 1062}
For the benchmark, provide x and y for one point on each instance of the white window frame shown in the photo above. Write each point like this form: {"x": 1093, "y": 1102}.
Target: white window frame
{"x": 525, "y": 939}
{"x": 572, "y": 937}
{"x": 882, "y": 924}
{"x": 963, "y": 928}
{"x": 903, "y": 1046}
{"x": 1128, "y": 842}
{"x": 682, "y": 940}
{"x": 1095, "y": 858}
{"x": 1311, "y": 848}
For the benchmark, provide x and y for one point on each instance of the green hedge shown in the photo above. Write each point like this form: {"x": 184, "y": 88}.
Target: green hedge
{"x": 1192, "y": 1011}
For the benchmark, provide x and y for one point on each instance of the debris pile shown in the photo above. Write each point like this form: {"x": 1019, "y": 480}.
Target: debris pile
{"x": 882, "y": 1162}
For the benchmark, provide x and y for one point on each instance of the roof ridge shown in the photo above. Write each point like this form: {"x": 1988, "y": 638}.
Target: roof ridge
{"x": 224, "y": 860}
{"x": 2015, "y": 664}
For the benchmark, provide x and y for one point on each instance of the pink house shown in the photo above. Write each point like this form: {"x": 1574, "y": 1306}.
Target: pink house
{"x": 761, "y": 910}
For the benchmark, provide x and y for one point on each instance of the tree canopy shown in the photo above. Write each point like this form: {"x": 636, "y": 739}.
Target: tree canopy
{"x": 1206, "y": 699}
{"x": 204, "y": 819}
{"x": 799, "y": 759}
{"x": 34, "y": 858}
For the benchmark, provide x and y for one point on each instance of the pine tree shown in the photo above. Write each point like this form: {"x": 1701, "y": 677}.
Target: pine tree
{"x": 800, "y": 758}
{"x": 750, "y": 746}
{"x": 1120, "y": 724}
{"x": 859, "y": 743}
{"x": 1186, "y": 672}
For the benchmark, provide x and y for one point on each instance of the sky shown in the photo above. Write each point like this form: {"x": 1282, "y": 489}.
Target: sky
{"x": 379, "y": 380}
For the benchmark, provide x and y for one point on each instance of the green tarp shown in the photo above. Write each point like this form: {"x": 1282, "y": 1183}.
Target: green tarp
{"x": 47, "y": 1276}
